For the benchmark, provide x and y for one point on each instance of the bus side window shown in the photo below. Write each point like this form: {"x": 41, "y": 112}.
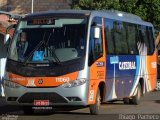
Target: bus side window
{"x": 150, "y": 41}
{"x": 119, "y": 37}
{"x": 96, "y": 45}
{"x": 143, "y": 45}
{"x": 131, "y": 38}
{"x": 110, "y": 45}
{"x": 95, "y": 48}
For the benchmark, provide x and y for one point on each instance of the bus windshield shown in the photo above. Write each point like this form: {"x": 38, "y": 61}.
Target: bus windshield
{"x": 50, "y": 39}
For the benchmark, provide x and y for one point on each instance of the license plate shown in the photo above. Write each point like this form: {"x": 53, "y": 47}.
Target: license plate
{"x": 41, "y": 102}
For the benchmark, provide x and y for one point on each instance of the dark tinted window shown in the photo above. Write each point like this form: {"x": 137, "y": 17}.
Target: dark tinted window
{"x": 127, "y": 38}
{"x": 109, "y": 36}
{"x": 115, "y": 35}
{"x": 95, "y": 47}
{"x": 131, "y": 31}
{"x": 150, "y": 41}
{"x": 145, "y": 40}
{"x": 98, "y": 51}
{"x": 119, "y": 36}
{"x": 64, "y": 40}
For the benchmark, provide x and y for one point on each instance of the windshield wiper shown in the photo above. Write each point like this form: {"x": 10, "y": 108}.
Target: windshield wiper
{"x": 39, "y": 45}
{"x": 54, "y": 55}
{"x": 30, "y": 55}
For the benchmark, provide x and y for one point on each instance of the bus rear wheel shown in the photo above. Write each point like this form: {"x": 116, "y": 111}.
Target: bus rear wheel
{"x": 94, "y": 109}
{"x": 136, "y": 99}
{"x": 126, "y": 100}
{"x": 28, "y": 110}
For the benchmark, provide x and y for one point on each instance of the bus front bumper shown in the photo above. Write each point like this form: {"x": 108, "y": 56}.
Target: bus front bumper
{"x": 57, "y": 96}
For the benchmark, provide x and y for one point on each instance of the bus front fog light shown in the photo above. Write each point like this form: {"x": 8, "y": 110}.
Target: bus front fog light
{"x": 73, "y": 99}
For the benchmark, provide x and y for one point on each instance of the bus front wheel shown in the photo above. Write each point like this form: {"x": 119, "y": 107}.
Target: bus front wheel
{"x": 94, "y": 109}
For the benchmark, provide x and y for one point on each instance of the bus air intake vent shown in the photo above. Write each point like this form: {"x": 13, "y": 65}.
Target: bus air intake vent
{"x": 52, "y": 97}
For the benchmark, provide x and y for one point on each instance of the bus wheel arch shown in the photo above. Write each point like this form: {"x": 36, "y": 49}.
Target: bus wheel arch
{"x": 139, "y": 92}
{"x": 100, "y": 97}
{"x": 102, "y": 88}
{"x": 141, "y": 82}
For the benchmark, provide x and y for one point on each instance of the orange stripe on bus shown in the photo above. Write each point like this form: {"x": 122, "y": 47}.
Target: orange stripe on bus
{"x": 43, "y": 81}
{"x": 152, "y": 70}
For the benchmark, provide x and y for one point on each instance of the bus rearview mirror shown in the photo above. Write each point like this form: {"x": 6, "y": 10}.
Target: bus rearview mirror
{"x": 96, "y": 32}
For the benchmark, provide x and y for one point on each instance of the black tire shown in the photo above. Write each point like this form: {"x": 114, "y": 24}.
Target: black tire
{"x": 136, "y": 99}
{"x": 126, "y": 100}
{"x": 28, "y": 110}
{"x": 157, "y": 85}
{"x": 94, "y": 109}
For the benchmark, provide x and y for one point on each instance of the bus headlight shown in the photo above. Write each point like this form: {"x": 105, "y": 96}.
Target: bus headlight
{"x": 11, "y": 84}
{"x": 74, "y": 83}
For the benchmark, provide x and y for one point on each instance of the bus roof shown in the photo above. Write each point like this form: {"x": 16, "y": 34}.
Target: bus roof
{"x": 111, "y": 14}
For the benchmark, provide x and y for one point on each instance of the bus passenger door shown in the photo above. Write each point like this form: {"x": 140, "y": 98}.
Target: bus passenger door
{"x": 96, "y": 59}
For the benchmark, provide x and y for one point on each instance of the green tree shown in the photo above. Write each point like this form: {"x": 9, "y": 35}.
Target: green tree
{"x": 95, "y": 4}
{"x": 148, "y": 10}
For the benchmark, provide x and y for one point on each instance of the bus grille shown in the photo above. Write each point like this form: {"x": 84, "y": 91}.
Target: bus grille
{"x": 52, "y": 97}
